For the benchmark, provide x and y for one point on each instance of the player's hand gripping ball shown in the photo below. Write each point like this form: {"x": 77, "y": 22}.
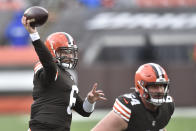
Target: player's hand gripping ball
{"x": 38, "y": 13}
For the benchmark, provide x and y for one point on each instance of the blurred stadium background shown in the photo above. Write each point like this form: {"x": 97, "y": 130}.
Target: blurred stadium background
{"x": 114, "y": 38}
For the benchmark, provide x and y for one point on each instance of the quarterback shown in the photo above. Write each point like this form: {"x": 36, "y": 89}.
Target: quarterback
{"x": 149, "y": 108}
{"x": 55, "y": 93}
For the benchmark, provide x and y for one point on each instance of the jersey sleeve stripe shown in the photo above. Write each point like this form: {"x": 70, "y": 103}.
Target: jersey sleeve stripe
{"x": 38, "y": 66}
{"x": 122, "y": 111}
{"x": 38, "y": 63}
{"x": 121, "y": 114}
{"x": 127, "y": 110}
{"x": 56, "y": 75}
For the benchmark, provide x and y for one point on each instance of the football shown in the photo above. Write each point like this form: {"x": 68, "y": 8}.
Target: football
{"x": 38, "y": 13}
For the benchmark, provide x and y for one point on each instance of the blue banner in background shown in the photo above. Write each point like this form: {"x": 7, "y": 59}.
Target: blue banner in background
{"x": 15, "y": 32}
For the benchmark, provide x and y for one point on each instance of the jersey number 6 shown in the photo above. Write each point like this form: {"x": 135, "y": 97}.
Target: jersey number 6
{"x": 72, "y": 99}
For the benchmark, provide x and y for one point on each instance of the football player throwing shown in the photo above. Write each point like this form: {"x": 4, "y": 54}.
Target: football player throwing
{"x": 55, "y": 93}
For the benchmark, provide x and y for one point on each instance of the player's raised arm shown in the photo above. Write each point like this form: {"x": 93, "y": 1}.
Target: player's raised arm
{"x": 43, "y": 53}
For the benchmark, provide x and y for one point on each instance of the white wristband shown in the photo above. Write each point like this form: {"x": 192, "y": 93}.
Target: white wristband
{"x": 34, "y": 36}
{"x": 87, "y": 106}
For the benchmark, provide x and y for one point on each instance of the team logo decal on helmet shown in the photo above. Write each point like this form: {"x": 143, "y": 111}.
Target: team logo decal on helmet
{"x": 63, "y": 48}
{"x": 151, "y": 74}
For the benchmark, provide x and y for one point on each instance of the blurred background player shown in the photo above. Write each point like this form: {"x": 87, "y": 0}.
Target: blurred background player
{"x": 55, "y": 93}
{"x": 149, "y": 108}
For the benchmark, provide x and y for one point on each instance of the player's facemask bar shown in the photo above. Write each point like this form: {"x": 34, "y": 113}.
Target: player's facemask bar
{"x": 67, "y": 57}
{"x": 156, "y": 99}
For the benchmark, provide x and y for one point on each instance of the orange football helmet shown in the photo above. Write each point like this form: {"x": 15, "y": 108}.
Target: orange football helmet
{"x": 63, "y": 48}
{"x": 151, "y": 74}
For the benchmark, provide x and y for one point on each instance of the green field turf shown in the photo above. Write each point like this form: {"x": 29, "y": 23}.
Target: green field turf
{"x": 20, "y": 123}
{"x": 176, "y": 124}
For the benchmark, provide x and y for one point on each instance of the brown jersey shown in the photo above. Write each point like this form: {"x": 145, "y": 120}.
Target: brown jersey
{"x": 55, "y": 93}
{"x": 131, "y": 109}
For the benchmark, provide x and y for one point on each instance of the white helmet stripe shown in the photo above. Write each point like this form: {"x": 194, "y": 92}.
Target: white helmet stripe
{"x": 51, "y": 46}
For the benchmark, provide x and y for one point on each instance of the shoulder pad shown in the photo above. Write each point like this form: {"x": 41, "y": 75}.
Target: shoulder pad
{"x": 131, "y": 98}
{"x": 37, "y": 67}
{"x": 125, "y": 99}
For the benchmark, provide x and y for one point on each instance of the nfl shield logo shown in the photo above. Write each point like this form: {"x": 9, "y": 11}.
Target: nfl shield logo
{"x": 153, "y": 123}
